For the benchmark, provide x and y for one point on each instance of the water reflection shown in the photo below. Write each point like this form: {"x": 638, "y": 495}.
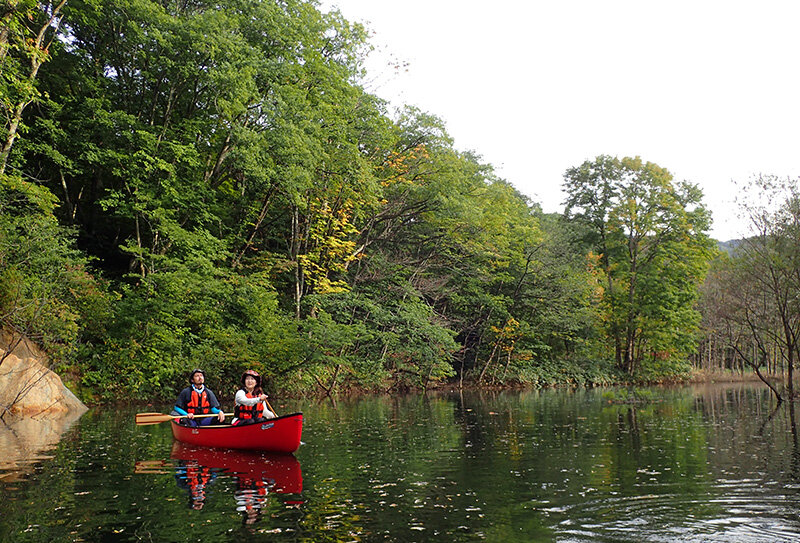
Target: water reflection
{"x": 194, "y": 478}
{"x": 255, "y": 476}
{"x": 24, "y": 441}
{"x": 702, "y": 464}
{"x": 691, "y": 464}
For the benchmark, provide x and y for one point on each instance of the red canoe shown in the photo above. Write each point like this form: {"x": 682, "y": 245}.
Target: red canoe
{"x": 280, "y": 435}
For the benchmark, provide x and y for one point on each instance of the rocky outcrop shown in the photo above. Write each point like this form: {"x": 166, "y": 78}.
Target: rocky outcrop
{"x": 27, "y": 386}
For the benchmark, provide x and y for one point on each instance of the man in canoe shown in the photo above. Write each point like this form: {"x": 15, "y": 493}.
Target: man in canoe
{"x": 250, "y": 401}
{"x": 197, "y": 399}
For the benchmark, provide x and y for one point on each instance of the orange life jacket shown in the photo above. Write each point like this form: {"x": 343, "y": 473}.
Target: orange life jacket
{"x": 198, "y": 404}
{"x": 249, "y": 411}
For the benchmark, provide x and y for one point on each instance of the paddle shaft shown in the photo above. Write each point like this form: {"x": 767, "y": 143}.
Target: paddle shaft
{"x": 200, "y": 416}
{"x": 155, "y": 418}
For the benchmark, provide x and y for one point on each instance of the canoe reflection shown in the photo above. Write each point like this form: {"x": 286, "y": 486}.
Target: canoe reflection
{"x": 256, "y": 474}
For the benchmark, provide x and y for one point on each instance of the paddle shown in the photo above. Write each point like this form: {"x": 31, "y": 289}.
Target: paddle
{"x": 270, "y": 407}
{"x": 155, "y": 418}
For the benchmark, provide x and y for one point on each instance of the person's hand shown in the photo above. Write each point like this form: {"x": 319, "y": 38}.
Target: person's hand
{"x": 263, "y": 397}
{"x": 221, "y": 416}
{"x": 190, "y": 416}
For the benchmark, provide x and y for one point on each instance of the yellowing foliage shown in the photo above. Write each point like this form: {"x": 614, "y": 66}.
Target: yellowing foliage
{"x": 330, "y": 249}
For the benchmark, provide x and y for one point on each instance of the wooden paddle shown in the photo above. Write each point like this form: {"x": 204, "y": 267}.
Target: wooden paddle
{"x": 156, "y": 418}
{"x": 270, "y": 407}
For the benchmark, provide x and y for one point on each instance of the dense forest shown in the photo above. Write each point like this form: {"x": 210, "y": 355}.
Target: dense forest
{"x": 189, "y": 183}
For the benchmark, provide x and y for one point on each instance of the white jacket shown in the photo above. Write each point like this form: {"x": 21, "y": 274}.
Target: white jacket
{"x": 242, "y": 399}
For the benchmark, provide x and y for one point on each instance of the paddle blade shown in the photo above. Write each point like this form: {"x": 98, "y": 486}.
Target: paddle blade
{"x": 152, "y": 418}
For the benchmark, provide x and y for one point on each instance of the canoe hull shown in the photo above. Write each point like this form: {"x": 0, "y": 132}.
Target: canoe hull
{"x": 279, "y": 435}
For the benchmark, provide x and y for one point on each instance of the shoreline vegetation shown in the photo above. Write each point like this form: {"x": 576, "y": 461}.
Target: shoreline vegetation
{"x": 189, "y": 184}
{"x": 631, "y": 392}
{"x": 696, "y": 378}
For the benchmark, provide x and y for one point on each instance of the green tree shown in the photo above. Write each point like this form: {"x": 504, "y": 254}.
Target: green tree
{"x": 650, "y": 235}
{"x": 27, "y": 30}
{"x": 252, "y": 205}
{"x": 47, "y": 292}
{"x": 189, "y": 140}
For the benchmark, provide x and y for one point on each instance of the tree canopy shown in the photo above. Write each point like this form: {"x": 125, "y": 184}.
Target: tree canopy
{"x": 210, "y": 184}
{"x": 652, "y": 253}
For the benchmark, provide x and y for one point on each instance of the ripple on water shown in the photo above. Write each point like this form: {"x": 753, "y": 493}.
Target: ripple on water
{"x": 672, "y": 517}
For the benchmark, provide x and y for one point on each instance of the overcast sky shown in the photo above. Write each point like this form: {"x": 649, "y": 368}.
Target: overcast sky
{"x": 707, "y": 89}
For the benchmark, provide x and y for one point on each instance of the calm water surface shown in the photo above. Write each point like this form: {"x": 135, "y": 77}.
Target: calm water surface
{"x": 693, "y": 464}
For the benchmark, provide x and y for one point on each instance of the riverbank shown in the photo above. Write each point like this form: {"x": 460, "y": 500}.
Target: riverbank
{"x": 727, "y": 376}
{"x": 34, "y": 357}
{"x": 696, "y": 377}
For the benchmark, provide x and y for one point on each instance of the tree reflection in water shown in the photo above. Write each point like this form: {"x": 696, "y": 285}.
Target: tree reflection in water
{"x": 711, "y": 463}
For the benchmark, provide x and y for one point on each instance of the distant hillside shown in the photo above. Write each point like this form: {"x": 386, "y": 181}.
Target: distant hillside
{"x": 728, "y": 246}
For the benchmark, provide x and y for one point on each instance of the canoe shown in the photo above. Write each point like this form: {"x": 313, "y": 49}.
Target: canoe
{"x": 282, "y": 471}
{"x": 279, "y": 435}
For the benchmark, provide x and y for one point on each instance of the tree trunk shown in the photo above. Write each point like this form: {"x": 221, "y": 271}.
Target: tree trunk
{"x": 261, "y": 216}
{"x": 38, "y": 57}
{"x": 488, "y": 361}
{"x": 294, "y": 252}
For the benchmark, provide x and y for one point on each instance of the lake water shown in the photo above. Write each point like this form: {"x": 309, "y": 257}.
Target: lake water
{"x": 711, "y": 463}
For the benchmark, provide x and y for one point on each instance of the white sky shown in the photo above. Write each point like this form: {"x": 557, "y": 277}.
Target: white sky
{"x": 708, "y": 89}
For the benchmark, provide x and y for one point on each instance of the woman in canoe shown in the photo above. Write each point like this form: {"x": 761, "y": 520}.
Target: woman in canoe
{"x": 250, "y": 401}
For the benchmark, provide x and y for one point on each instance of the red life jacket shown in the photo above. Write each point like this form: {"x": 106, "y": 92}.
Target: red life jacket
{"x": 248, "y": 411}
{"x": 198, "y": 404}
